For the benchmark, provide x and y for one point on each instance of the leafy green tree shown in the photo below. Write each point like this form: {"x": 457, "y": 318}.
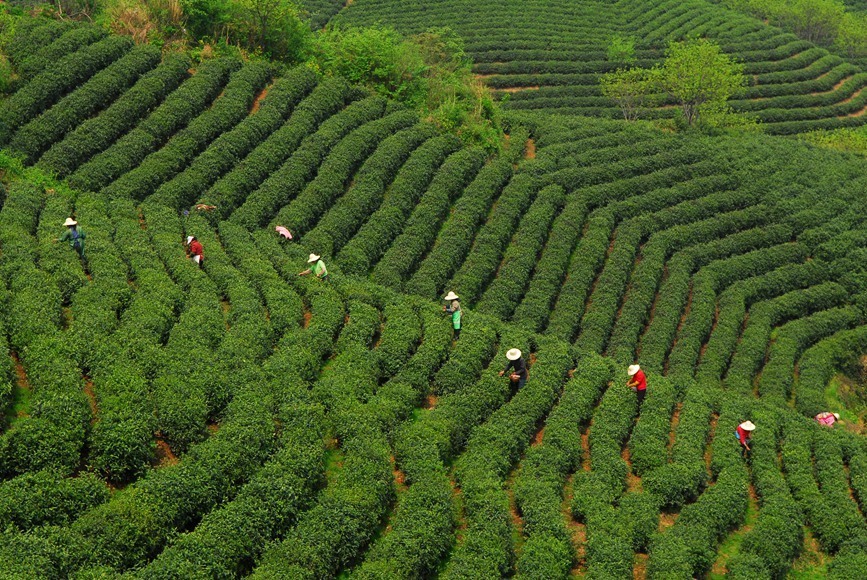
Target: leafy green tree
{"x": 632, "y": 89}
{"x": 274, "y": 27}
{"x": 852, "y": 35}
{"x": 621, "y": 51}
{"x": 814, "y": 20}
{"x": 207, "y": 18}
{"x": 701, "y": 77}
{"x": 377, "y": 57}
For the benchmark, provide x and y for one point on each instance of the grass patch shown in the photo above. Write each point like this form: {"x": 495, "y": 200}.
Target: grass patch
{"x": 732, "y": 544}
{"x": 840, "y": 397}
{"x": 812, "y": 563}
{"x": 20, "y": 406}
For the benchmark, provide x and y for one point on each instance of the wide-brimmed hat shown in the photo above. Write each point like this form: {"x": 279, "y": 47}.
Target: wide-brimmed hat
{"x": 451, "y": 296}
{"x": 190, "y": 239}
{"x": 312, "y": 258}
{"x": 513, "y": 354}
{"x": 283, "y": 232}
{"x": 747, "y": 426}
{"x": 632, "y": 370}
{"x": 836, "y": 416}
{"x": 70, "y": 222}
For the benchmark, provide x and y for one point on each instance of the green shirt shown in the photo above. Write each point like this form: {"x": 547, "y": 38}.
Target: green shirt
{"x": 67, "y": 237}
{"x": 319, "y": 269}
{"x": 456, "y": 319}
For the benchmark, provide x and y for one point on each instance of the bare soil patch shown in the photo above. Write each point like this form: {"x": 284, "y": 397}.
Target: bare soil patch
{"x": 164, "y": 453}
{"x": 639, "y": 568}
{"x": 530, "y": 149}
{"x": 257, "y": 102}
{"x": 633, "y": 482}
{"x": 91, "y": 398}
{"x": 518, "y": 89}
{"x": 537, "y": 440}
{"x": 430, "y": 402}
{"x": 666, "y": 520}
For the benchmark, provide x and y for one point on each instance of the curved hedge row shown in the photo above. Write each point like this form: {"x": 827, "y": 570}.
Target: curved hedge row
{"x": 182, "y": 105}
{"x": 58, "y": 79}
{"x": 98, "y": 133}
{"x": 229, "y": 109}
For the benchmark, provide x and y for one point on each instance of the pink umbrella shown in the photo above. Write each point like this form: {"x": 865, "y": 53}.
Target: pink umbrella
{"x": 284, "y": 232}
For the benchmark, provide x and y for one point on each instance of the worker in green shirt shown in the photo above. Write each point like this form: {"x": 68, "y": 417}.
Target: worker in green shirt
{"x": 455, "y": 310}
{"x": 74, "y": 236}
{"x": 318, "y": 267}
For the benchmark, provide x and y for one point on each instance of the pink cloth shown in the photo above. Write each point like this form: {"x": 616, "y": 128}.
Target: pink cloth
{"x": 826, "y": 419}
{"x": 283, "y": 232}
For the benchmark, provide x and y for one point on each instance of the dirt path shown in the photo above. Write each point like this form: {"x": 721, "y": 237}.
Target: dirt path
{"x": 652, "y": 313}
{"x": 675, "y": 420}
{"x": 577, "y": 531}
{"x": 680, "y": 324}
{"x": 730, "y": 546}
{"x": 21, "y": 392}
{"x": 813, "y": 562}
{"x": 430, "y": 402}
{"x": 704, "y": 345}
{"x": 633, "y": 482}
{"x": 639, "y": 568}
{"x": 530, "y": 149}
{"x": 518, "y": 89}
{"x": 666, "y": 520}
{"x": 91, "y": 398}
{"x": 457, "y": 496}
{"x": 708, "y": 455}
{"x": 257, "y": 102}
{"x": 514, "y": 512}
{"x": 585, "y": 448}
{"x": 164, "y": 454}
{"x": 834, "y": 88}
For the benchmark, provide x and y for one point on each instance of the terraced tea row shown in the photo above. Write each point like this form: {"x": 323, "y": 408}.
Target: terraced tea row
{"x": 238, "y": 419}
{"x": 548, "y": 55}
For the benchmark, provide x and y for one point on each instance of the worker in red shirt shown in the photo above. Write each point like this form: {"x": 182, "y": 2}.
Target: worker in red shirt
{"x": 196, "y": 250}
{"x": 743, "y": 433}
{"x": 637, "y": 382}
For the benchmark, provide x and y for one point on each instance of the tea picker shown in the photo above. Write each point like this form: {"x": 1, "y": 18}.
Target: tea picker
{"x": 743, "y": 434}
{"x": 196, "y": 250}
{"x": 74, "y": 236}
{"x": 518, "y": 366}
{"x": 637, "y": 382}
{"x": 454, "y": 309}
{"x": 827, "y": 419}
{"x": 317, "y": 269}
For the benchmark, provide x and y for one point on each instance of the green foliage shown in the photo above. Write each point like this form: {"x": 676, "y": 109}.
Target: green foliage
{"x": 700, "y": 77}
{"x": 621, "y": 51}
{"x": 632, "y": 89}
{"x": 428, "y": 71}
{"x": 376, "y": 57}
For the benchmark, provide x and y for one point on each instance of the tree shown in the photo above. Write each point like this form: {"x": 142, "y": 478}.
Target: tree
{"x": 852, "y": 35}
{"x": 378, "y": 57}
{"x": 699, "y": 76}
{"x": 632, "y": 89}
{"x": 815, "y": 20}
{"x": 621, "y": 51}
{"x": 273, "y": 26}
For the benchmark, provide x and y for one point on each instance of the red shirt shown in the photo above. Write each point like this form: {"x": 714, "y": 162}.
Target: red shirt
{"x": 196, "y": 248}
{"x": 641, "y": 380}
{"x": 743, "y": 434}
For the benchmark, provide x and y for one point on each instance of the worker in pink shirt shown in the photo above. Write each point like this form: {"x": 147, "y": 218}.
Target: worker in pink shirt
{"x": 827, "y": 419}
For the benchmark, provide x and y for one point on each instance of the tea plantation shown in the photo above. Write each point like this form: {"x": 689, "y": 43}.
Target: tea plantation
{"x": 168, "y": 421}
{"x": 547, "y": 55}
